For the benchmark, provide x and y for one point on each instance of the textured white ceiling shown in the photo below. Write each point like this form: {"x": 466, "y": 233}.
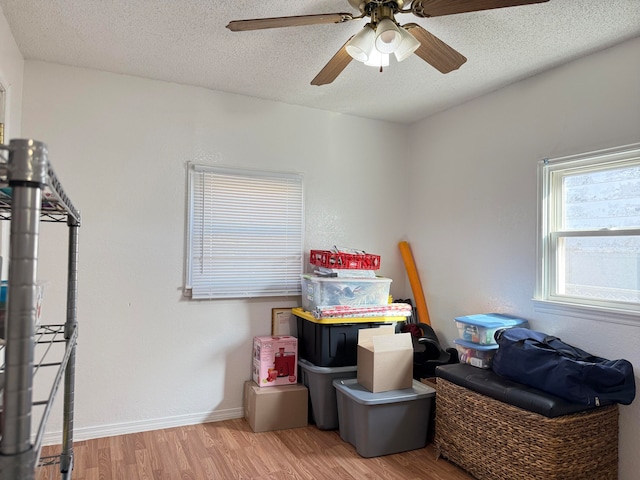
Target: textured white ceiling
{"x": 186, "y": 42}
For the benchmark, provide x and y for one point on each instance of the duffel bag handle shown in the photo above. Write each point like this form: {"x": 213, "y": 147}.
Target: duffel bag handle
{"x": 570, "y": 351}
{"x": 554, "y": 344}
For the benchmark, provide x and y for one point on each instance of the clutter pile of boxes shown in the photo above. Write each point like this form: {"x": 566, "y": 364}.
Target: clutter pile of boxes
{"x": 284, "y": 403}
{"x": 354, "y": 372}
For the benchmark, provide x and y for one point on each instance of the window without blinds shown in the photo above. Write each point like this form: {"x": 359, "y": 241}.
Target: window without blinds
{"x": 590, "y": 229}
{"x": 245, "y": 233}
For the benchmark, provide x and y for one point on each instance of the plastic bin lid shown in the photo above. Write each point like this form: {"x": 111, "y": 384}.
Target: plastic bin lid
{"x": 477, "y": 346}
{"x": 491, "y": 320}
{"x": 299, "y": 312}
{"x": 357, "y": 392}
{"x": 307, "y": 365}
{"x": 320, "y": 278}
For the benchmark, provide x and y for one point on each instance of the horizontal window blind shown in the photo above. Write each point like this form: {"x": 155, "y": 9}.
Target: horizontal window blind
{"x": 245, "y": 234}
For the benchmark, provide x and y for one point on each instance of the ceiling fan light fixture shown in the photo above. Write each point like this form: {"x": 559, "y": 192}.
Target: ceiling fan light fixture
{"x": 377, "y": 59}
{"x": 388, "y": 36}
{"x": 383, "y": 35}
{"x": 360, "y": 46}
{"x": 408, "y": 45}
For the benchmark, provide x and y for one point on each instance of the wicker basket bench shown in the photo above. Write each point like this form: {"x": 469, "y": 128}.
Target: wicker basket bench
{"x": 494, "y": 440}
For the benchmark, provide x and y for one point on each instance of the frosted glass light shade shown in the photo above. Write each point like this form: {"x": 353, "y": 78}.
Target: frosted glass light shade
{"x": 408, "y": 45}
{"x": 388, "y": 36}
{"x": 361, "y": 44}
{"x": 377, "y": 59}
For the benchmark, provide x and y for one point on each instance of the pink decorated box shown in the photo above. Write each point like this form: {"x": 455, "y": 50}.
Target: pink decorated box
{"x": 275, "y": 360}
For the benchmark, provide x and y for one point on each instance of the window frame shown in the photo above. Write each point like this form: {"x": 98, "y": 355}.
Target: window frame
{"x": 243, "y": 180}
{"x": 550, "y": 234}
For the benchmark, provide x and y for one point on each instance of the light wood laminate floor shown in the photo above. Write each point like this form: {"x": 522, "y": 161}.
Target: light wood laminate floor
{"x": 229, "y": 450}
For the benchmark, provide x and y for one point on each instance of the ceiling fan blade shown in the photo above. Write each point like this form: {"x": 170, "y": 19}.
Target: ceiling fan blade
{"x": 434, "y": 51}
{"x": 334, "y": 67}
{"x": 436, "y": 8}
{"x": 295, "y": 21}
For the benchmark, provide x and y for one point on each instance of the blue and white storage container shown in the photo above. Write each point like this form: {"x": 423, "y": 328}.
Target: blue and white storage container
{"x": 475, "y": 354}
{"x": 481, "y": 328}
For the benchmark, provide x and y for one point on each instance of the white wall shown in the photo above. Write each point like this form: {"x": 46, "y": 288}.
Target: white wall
{"x": 473, "y": 200}
{"x": 147, "y": 358}
{"x": 11, "y": 68}
{"x": 11, "y": 71}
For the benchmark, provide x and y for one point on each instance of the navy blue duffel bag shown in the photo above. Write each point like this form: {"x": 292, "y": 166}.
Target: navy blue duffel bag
{"x": 547, "y": 363}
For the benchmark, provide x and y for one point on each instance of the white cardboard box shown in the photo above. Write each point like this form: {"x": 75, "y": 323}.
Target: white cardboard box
{"x": 385, "y": 359}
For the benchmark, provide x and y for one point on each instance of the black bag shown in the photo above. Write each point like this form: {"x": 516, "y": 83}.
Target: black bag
{"x": 547, "y": 363}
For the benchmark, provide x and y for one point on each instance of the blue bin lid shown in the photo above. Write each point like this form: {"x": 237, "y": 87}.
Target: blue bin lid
{"x": 3, "y": 291}
{"x": 477, "y": 346}
{"x": 357, "y": 392}
{"x": 492, "y": 320}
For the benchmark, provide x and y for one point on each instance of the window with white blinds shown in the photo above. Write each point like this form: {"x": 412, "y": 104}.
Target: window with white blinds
{"x": 245, "y": 233}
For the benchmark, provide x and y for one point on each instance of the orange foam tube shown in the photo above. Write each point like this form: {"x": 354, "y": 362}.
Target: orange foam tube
{"x": 414, "y": 280}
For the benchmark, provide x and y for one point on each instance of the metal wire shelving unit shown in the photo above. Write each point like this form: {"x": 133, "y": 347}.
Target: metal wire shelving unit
{"x": 30, "y": 193}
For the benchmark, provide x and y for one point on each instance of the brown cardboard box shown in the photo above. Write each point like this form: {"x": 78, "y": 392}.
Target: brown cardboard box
{"x": 275, "y": 408}
{"x": 385, "y": 359}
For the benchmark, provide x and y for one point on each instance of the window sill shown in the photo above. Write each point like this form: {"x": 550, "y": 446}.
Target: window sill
{"x": 599, "y": 314}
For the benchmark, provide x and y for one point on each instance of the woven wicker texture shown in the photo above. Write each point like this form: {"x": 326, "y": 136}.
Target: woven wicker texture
{"x": 493, "y": 440}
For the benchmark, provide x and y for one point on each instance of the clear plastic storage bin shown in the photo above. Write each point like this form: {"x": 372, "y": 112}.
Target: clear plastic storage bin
{"x": 319, "y": 291}
{"x": 481, "y": 328}
{"x": 475, "y": 354}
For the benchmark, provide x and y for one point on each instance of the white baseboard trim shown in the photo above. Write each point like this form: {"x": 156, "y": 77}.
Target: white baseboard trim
{"x": 88, "y": 433}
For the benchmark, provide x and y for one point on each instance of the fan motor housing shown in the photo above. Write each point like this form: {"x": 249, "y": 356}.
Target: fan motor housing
{"x": 367, "y": 6}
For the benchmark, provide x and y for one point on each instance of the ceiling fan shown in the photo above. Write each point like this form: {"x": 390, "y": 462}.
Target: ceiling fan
{"x": 383, "y": 35}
